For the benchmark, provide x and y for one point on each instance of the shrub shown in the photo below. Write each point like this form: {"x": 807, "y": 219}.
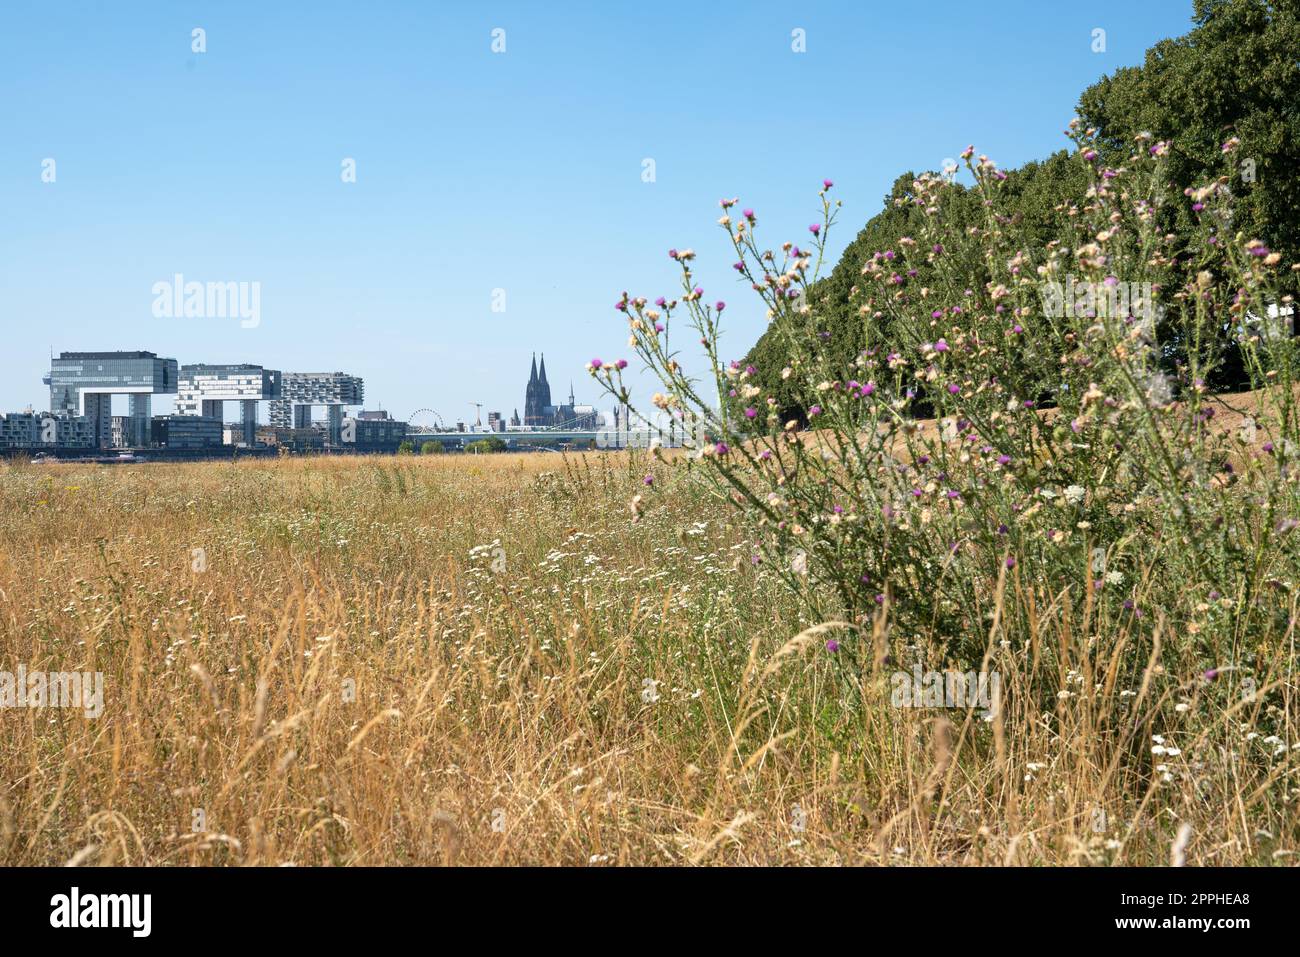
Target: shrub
{"x": 1060, "y": 468}
{"x": 489, "y": 444}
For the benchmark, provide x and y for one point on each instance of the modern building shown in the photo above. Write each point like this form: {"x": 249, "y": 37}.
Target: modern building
{"x": 300, "y": 391}
{"x": 374, "y": 435}
{"x": 204, "y": 389}
{"x": 27, "y": 430}
{"x": 84, "y": 383}
{"x": 187, "y": 431}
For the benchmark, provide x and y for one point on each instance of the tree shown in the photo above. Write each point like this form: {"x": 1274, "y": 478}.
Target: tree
{"x": 406, "y": 448}
{"x": 844, "y": 332}
{"x": 486, "y": 445}
{"x": 1234, "y": 75}
{"x": 432, "y": 448}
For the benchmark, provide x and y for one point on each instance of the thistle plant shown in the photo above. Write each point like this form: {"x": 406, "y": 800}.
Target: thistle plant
{"x": 1020, "y": 418}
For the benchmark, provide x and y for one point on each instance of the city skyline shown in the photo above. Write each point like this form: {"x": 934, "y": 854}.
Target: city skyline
{"x": 432, "y": 199}
{"x": 170, "y": 402}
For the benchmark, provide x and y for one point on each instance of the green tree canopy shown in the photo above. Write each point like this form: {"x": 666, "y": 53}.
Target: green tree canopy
{"x": 1236, "y": 74}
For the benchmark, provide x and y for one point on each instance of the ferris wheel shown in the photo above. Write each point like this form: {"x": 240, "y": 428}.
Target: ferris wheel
{"x": 425, "y": 421}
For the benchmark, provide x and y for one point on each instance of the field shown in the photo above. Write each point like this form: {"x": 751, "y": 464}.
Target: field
{"x": 487, "y": 660}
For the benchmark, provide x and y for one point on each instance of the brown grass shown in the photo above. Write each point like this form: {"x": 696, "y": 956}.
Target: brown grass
{"x": 345, "y": 682}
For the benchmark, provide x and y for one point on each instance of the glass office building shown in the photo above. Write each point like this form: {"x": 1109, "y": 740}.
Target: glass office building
{"x": 84, "y": 383}
{"x": 204, "y": 390}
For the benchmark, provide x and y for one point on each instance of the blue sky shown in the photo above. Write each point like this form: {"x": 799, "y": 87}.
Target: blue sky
{"x": 476, "y": 171}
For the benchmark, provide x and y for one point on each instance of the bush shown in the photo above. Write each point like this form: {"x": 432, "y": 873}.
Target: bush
{"x": 489, "y": 444}
{"x": 432, "y": 448}
{"x": 1060, "y": 470}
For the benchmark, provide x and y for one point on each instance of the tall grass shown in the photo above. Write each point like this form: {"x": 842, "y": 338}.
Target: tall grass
{"x": 503, "y": 660}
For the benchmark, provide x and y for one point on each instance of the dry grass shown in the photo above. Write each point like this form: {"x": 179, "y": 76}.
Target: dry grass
{"x": 616, "y": 692}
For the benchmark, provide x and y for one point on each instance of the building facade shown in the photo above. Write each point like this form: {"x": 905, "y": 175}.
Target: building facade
{"x": 84, "y": 383}
{"x": 204, "y": 389}
{"x": 28, "y": 430}
{"x": 374, "y": 435}
{"x": 300, "y": 391}
{"x": 187, "y": 431}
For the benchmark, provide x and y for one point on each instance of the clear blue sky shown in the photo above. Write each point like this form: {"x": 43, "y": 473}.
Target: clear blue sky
{"x": 476, "y": 171}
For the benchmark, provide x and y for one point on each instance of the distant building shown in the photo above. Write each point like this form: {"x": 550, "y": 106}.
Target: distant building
{"x": 537, "y": 396}
{"x": 187, "y": 431}
{"x": 540, "y": 413}
{"x": 84, "y": 383}
{"x": 303, "y": 390}
{"x": 204, "y": 389}
{"x": 25, "y": 430}
{"x": 300, "y": 440}
{"x": 495, "y": 422}
{"x": 374, "y": 435}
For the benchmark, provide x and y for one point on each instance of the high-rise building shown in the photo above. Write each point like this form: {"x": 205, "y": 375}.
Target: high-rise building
{"x": 84, "y": 383}
{"x": 300, "y": 391}
{"x": 204, "y": 389}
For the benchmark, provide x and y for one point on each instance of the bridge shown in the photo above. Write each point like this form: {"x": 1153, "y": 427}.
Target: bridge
{"x": 543, "y": 438}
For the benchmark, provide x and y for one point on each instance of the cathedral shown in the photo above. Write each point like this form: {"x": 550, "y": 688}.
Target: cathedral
{"x": 540, "y": 413}
{"x": 537, "y": 397}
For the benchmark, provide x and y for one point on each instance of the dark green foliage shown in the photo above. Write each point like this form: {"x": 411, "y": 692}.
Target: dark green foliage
{"x": 1237, "y": 73}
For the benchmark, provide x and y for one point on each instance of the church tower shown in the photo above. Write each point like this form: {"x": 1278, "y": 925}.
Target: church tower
{"x": 543, "y": 389}
{"x": 530, "y": 395}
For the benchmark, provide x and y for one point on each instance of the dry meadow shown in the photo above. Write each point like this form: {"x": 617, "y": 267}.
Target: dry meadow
{"x": 486, "y": 660}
